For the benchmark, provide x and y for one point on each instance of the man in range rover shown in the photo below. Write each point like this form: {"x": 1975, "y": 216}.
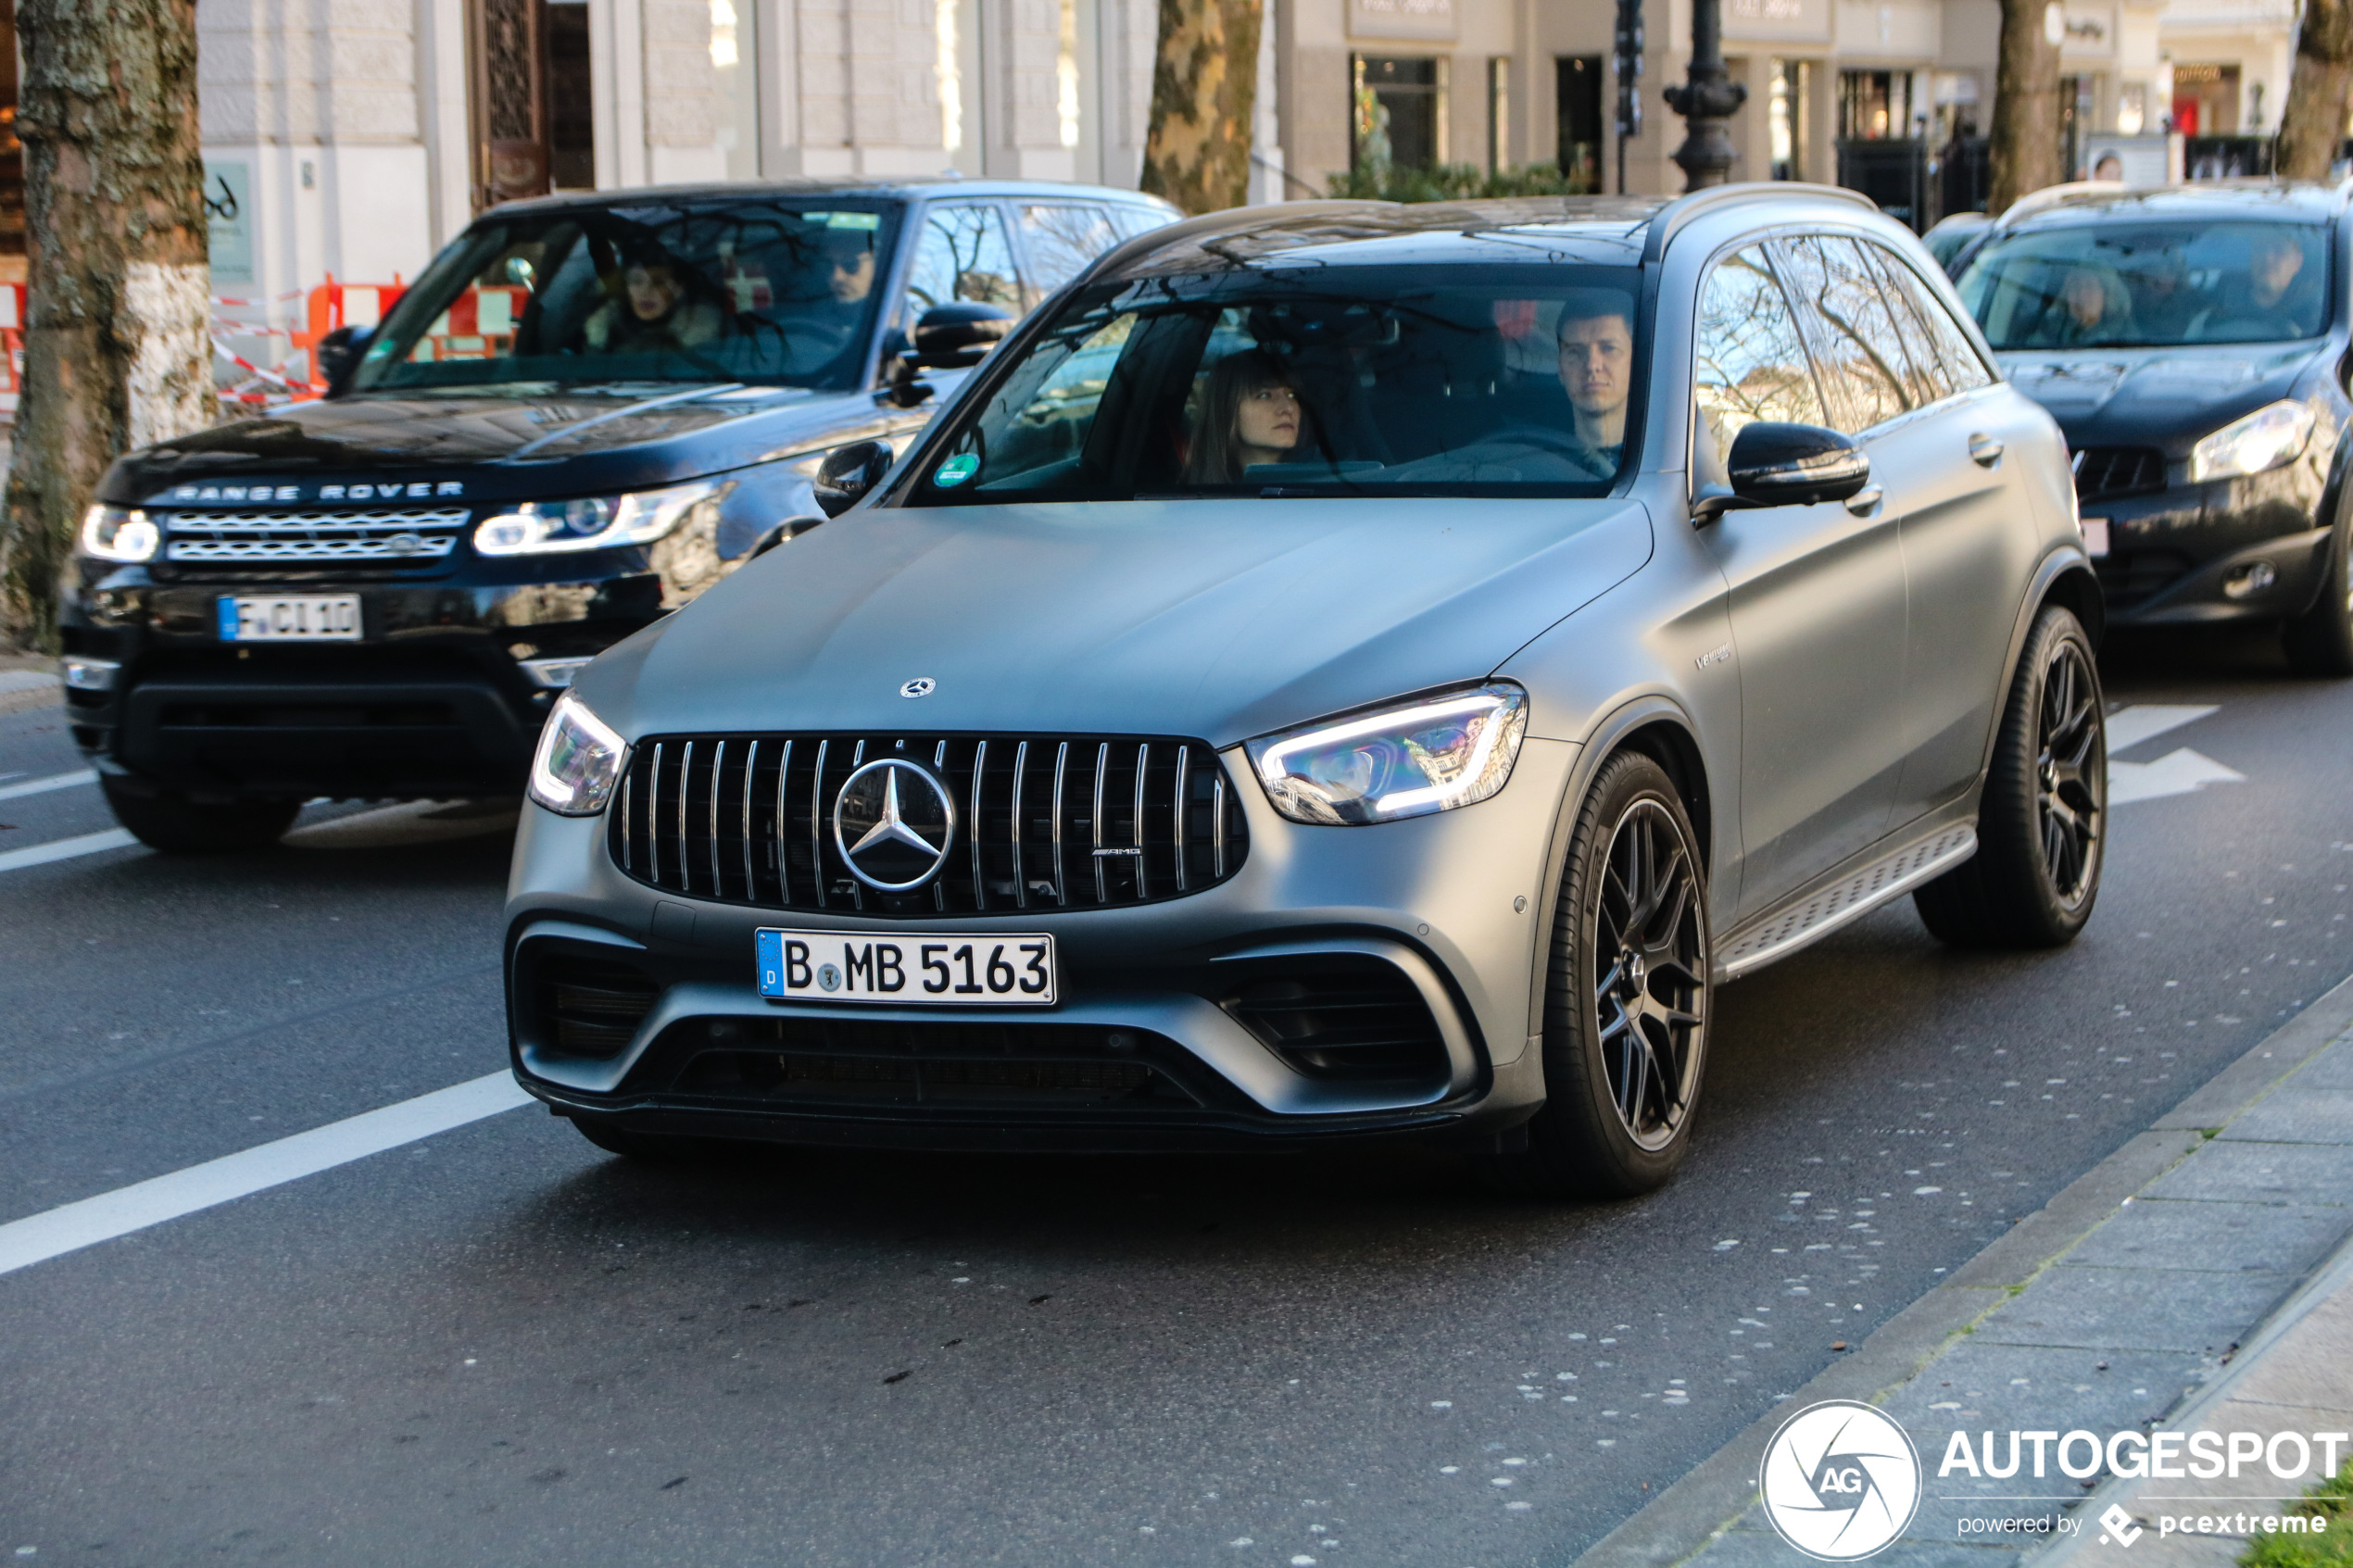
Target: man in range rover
{"x": 586, "y": 411}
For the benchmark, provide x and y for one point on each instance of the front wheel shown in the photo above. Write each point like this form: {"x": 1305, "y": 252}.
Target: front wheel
{"x": 2319, "y": 643}
{"x": 1626, "y": 1006}
{"x": 613, "y": 1138}
{"x": 180, "y": 827}
{"x": 2042, "y": 829}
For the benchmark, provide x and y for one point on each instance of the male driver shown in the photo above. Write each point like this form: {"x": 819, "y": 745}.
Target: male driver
{"x": 1595, "y": 338}
{"x": 2274, "y": 299}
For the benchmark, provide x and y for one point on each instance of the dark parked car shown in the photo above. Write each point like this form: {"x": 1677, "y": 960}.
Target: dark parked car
{"x": 2192, "y": 344}
{"x": 585, "y": 412}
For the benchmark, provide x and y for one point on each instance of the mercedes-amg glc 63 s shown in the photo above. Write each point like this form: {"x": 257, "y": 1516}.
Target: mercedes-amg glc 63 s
{"x": 1336, "y": 670}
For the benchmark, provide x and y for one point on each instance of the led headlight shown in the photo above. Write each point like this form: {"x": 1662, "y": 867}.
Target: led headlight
{"x": 1431, "y": 755}
{"x": 596, "y": 523}
{"x": 2266, "y": 438}
{"x": 112, "y": 533}
{"x": 578, "y": 761}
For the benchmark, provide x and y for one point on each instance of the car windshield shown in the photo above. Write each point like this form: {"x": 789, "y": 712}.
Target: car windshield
{"x": 779, "y": 292}
{"x": 1310, "y": 380}
{"x": 2148, "y": 285}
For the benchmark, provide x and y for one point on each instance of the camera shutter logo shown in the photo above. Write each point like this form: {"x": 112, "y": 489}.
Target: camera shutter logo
{"x": 1841, "y": 1480}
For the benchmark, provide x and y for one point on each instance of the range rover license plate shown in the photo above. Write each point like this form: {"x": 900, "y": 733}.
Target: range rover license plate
{"x": 926, "y": 968}
{"x": 309, "y": 618}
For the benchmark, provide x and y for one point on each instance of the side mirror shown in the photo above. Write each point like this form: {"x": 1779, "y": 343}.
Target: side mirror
{"x": 338, "y": 354}
{"x": 847, "y": 473}
{"x": 954, "y": 336}
{"x": 1785, "y": 465}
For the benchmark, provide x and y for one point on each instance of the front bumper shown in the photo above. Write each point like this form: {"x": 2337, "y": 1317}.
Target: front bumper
{"x": 432, "y": 702}
{"x": 2239, "y": 549}
{"x": 1162, "y": 1039}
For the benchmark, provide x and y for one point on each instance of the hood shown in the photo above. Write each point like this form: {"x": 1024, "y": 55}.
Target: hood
{"x": 1214, "y": 620}
{"x": 2167, "y": 398}
{"x": 528, "y": 441}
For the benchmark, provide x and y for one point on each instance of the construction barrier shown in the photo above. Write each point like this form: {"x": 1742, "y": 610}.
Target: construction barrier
{"x": 11, "y": 346}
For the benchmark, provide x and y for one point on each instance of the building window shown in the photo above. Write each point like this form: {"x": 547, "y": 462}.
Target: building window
{"x": 1499, "y": 113}
{"x": 1398, "y": 112}
{"x": 572, "y": 125}
{"x": 735, "y": 55}
{"x": 1785, "y": 85}
{"x": 1874, "y": 106}
{"x": 1578, "y": 79}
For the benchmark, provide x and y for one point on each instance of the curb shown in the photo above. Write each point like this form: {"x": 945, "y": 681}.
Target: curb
{"x": 1710, "y": 1498}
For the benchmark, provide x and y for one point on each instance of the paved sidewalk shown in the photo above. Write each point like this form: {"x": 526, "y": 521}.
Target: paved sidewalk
{"x": 2122, "y": 1305}
{"x": 28, "y": 680}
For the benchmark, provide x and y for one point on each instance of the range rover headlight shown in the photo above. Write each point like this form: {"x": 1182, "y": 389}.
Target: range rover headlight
{"x": 1429, "y": 755}
{"x": 596, "y": 523}
{"x": 2272, "y": 435}
{"x": 114, "y": 534}
{"x": 578, "y": 761}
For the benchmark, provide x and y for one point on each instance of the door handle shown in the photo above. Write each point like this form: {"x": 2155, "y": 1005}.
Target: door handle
{"x": 1864, "y": 502}
{"x": 1985, "y": 451}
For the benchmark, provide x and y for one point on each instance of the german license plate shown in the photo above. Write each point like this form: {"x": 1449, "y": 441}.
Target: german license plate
{"x": 2095, "y": 536}
{"x": 936, "y": 968}
{"x": 309, "y": 618}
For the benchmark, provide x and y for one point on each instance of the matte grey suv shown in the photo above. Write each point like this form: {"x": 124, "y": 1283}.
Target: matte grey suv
{"x": 1339, "y": 669}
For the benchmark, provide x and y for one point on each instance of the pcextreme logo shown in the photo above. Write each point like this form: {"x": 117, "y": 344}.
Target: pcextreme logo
{"x": 1841, "y": 1480}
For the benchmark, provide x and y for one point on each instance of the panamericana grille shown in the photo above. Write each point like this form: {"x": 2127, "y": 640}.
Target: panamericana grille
{"x": 2105, "y": 471}
{"x": 395, "y": 535}
{"x": 1043, "y": 822}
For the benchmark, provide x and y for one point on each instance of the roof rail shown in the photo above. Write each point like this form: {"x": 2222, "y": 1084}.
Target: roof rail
{"x": 1686, "y": 210}
{"x": 1230, "y": 218}
{"x": 2057, "y": 195}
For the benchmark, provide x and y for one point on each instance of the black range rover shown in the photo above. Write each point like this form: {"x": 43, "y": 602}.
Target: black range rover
{"x": 586, "y": 411}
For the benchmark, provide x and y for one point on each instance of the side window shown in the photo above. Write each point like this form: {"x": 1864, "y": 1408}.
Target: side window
{"x": 1750, "y": 364}
{"x": 1866, "y": 374}
{"x": 962, "y": 253}
{"x": 1943, "y": 341}
{"x": 1133, "y": 220}
{"x": 1060, "y": 240}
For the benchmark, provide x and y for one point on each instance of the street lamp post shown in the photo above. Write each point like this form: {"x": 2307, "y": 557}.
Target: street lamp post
{"x": 1705, "y": 101}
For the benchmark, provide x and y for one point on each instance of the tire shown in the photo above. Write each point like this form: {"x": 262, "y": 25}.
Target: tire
{"x": 2042, "y": 827}
{"x": 653, "y": 1147}
{"x": 178, "y": 825}
{"x": 2319, "y": 643}
{"x": 1625, "y": 1003}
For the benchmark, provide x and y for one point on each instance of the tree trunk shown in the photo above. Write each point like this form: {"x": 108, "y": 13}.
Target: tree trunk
{"x": 115, "y": 352}
{"x": 1204, "y": 93}
{"x": 2313, "y": 124}
{"x": 2025, "y": 151}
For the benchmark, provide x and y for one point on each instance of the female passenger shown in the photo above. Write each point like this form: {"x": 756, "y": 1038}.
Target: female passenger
{"x": 1249, "y": 413}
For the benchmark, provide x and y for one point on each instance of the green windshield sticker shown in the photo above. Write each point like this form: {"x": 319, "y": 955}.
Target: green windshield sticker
{"x": 955, "y": 471}
{"x": 853, "y": 219}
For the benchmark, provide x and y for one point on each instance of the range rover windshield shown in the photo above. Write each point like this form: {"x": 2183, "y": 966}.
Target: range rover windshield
{"x": 2148, "y": 285}
{"x": 776, "y": 290}
{"x": 1303, "y": 380}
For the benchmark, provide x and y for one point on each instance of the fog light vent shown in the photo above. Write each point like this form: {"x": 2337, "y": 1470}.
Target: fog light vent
{"x": 2250, "y": 580}
{"x": 591, "y": 1007}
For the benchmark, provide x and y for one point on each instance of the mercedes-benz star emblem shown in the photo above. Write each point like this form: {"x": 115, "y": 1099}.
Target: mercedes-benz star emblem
{"x": 893, "y": 823}
{"x": 922, "y": 685}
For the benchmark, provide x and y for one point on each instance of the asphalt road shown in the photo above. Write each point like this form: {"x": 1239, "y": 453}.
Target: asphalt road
{"x": 498, "y": 1345}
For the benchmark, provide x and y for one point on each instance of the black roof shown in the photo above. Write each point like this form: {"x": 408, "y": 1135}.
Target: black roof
{"x": 2204, "y": 201}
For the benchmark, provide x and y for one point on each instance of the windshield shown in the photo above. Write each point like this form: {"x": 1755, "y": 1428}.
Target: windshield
{"x": 1296, "y": 379}
{"x": 781, "y": 292}
{"x": 2146, "y": 285}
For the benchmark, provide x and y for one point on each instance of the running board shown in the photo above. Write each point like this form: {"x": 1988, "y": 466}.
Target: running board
{"x": 1811, "y": 919}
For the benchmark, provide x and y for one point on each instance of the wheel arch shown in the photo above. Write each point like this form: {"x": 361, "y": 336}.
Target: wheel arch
{"x": 1656, "y": 727}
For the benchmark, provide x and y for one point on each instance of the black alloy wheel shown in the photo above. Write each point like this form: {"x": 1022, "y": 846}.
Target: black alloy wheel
{"x": 1651, "y": 993}
{"x": 1626, "y": 1008}
{"x": 2042, "y": 827}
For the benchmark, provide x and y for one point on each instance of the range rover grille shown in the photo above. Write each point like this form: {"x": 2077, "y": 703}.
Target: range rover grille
{"x": 1042, "y": 821}
{"x": 397, "y": 535}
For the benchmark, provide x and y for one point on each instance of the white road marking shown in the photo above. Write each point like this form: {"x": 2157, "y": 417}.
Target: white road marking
{"x": 2177, "y": 773}
{"x": 65, "y": 850}
{"x": 42, "y": 787}
{"x": 2128, "y": 727}
{"x": 2180, "y": 772}
{"x": 111, "y": 1214}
